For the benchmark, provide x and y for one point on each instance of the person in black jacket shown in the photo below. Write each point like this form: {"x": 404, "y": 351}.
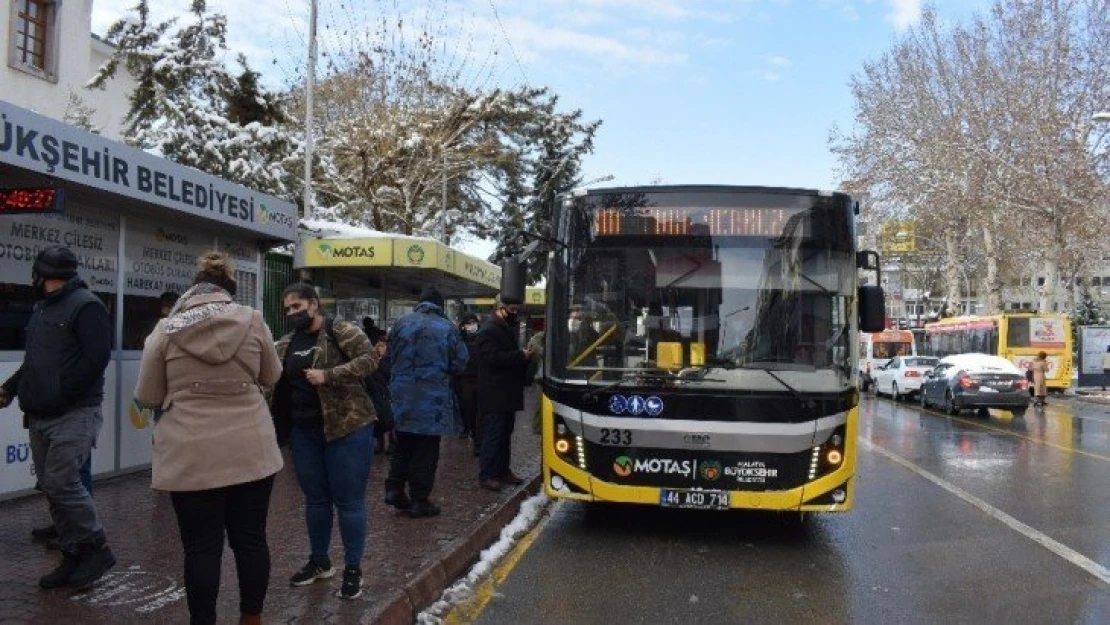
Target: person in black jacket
{"x": 377, "y": 385}
{"x": 501, "y": 371}
{"x": 466, "y": 383}
{"x": 60, "y": 387}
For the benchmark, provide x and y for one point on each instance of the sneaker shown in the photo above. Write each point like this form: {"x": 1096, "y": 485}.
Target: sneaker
{"x": 60, "y": 576}
{"x": 352, "y": 583}
{"x": 44, "y": 533}
{"x": 311, "y": 572}
{"x": 422, "y": 508}
{"x": 398, "y": 499}
{"x": 94, "y": 561}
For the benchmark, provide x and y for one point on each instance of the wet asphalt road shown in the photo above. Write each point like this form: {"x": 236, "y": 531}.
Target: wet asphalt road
{"x": 911, "y": 550}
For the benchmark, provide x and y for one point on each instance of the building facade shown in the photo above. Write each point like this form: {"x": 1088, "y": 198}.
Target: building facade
{"x": 50, "y": 54}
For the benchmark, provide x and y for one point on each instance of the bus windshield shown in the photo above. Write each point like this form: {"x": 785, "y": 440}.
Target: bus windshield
{"x": 705, "y": 297}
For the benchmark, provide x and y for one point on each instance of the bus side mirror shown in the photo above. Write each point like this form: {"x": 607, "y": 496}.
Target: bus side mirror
{"x": 872, "y": 309}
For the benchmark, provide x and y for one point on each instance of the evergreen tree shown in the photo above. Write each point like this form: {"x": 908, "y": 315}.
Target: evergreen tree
{"x": 190, "y": 109}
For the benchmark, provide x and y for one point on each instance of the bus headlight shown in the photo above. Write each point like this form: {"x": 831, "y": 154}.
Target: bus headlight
{"x": 569, "y": 447}
{"x": 828, "y": 456}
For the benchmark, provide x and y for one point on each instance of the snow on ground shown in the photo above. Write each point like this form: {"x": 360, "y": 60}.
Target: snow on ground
{"x": 529, "y": 515}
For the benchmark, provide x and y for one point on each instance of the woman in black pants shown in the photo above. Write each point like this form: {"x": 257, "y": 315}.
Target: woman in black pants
{"x": 215, "y": 448}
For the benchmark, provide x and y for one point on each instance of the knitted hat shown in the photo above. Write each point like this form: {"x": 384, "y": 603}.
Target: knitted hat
{"x": 431, "y": 295}
{"x": 56, "y": 263}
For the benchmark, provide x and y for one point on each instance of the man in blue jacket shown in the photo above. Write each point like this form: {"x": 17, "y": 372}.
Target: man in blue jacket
{"x": 60, "y": 387}
{"x": 426, "y": 351}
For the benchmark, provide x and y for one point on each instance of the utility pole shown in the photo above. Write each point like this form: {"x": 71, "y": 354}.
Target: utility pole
{"x": 310, "y": 88}
{"x": 443, "y": 205}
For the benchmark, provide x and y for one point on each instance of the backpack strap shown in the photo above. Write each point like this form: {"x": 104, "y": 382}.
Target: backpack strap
{"x": 329, "y": 325}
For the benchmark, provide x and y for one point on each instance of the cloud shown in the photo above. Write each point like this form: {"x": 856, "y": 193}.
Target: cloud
{"x": 904, "y": 13}
{"x": 779, "y": 61}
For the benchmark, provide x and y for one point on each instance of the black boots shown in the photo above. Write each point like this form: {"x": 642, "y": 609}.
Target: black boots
{"x": 81, "y": 567}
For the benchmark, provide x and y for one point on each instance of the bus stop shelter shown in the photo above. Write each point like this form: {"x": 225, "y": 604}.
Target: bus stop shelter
{"x": 137, "y": 224}
{"x": 362, "y": 272}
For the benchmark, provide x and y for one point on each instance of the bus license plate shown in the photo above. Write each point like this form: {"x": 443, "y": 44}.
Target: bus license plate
{"x": 695, "y": 499}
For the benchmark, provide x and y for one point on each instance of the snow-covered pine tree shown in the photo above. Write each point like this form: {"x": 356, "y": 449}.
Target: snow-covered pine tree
{"x": 189, "y": 108}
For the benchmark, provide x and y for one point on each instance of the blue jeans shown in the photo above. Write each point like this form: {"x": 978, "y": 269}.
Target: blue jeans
{"x": 333, "y": 476}
{"x": 497, "y": 440}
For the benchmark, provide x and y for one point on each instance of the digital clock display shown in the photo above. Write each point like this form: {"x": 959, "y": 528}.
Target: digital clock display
{"x": 698, "y": 221}
{"x": 30, "y": 200}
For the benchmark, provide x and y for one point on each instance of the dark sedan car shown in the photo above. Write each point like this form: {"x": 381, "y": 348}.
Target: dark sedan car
{"x": 975, "y": 381}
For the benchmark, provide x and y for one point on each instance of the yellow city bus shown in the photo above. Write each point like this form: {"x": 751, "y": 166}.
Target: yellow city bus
{"x": 1017, "y": 337}
{"x": 717, "y": 365}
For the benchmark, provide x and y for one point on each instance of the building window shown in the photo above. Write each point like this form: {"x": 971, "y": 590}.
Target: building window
{"x": 1040, "y": 281}
{"x": 34, "y": 37}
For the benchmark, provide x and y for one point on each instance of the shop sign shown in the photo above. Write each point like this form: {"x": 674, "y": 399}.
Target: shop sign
{"x": 40, "y": 144}
{"x": 376, "y": 252}
{"x": 161, "y": 258}
{"x": 92, "y": 235}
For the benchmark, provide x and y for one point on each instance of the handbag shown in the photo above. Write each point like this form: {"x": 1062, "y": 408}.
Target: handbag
{"x": 1029, "y": 375}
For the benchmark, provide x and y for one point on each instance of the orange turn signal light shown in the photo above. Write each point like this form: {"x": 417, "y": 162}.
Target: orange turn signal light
{"x": 562, "y": 445}
{"x": 834, "y": 456}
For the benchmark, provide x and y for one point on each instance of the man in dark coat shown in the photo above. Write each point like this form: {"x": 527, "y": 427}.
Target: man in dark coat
{"x": 502, "y": 366}
{"x": 60, "y": 387}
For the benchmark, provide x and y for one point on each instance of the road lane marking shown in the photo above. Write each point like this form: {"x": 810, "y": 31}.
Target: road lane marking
{"x": 1060, "y": 549}
{"x": 941, "y": 415}
{"x": 470, "y": 610}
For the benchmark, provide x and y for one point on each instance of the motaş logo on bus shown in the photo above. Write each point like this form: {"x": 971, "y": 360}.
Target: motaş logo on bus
{"x": 624, "y": 466}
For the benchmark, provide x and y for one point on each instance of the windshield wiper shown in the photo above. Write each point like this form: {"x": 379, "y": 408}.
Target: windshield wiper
{"x": 793, "y": 391}
{"x": 594, "y": 391}
{"x": 815, "y": 283}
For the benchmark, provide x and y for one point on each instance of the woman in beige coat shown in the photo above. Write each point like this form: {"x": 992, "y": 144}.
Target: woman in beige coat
{"x": 1040, "y": 375}
{"x": 215, "y": 449}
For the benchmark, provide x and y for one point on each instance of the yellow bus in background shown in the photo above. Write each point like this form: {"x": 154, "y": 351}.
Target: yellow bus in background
{"x": 1017, "y": 337}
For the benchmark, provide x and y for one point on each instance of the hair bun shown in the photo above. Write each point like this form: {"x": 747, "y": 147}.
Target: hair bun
{"x": 216, "y": 263}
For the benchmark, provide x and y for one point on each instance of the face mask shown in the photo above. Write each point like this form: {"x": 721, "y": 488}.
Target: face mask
{"x": 510, "y": 317}
{"x": 471, "y": 327}
{"x": 40, "y": 286}
{"x": 574, "y": 325}
{"x": 300, "y": 320}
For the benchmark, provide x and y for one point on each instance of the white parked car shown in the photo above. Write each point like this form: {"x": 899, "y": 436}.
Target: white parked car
{"x": 902, "y": 376}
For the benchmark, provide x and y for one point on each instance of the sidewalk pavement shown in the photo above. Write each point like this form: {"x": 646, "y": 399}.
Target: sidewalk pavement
{"x": 1092, "y": 394}
{"x": 407, "y": 565}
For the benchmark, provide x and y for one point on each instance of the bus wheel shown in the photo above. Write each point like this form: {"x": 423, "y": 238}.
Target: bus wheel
{"x": 950, "y": 404}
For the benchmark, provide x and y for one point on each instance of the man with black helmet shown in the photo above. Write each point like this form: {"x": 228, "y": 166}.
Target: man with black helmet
{"x": 60, "y": 387}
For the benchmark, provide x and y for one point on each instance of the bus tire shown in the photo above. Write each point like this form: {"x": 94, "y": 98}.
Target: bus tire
{"x": 950, "y": 404}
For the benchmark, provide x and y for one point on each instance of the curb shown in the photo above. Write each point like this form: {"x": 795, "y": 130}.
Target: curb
{"x": 427, "y": 585}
